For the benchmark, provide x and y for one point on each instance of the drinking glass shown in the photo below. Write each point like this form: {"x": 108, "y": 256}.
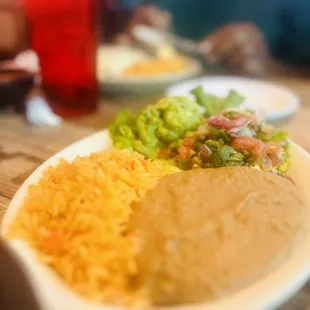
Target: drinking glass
{"x": 65, "y": 36}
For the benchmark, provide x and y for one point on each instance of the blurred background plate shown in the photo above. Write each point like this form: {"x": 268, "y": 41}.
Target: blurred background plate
{"x": 273, "y": 101}
{"x": 112, "y": 59}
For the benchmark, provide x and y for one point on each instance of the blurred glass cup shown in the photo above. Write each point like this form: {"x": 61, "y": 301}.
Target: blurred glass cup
{"x": 65, "y": 36}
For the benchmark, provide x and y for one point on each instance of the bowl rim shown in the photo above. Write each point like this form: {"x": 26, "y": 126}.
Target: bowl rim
{"x": 293, "y": 100}
{"x": 195, "y": 67}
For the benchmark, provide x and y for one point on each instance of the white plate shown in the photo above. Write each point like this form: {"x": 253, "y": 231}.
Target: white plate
{"x": 271, "y": 100}
{"x": 268, "y": 293}
{"x": 112, "y": 59}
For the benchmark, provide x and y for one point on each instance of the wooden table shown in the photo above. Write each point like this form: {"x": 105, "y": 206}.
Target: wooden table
{"x": 23, "y": 148}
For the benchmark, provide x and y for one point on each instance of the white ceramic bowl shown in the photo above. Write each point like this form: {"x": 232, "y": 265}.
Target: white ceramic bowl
{"x": 273, "y": 101}
{"x": 268, "y": 293}
{"x": 112, "y": 59}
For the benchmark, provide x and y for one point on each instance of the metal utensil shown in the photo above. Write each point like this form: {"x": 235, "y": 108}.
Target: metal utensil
{"x": 167, "y": 43}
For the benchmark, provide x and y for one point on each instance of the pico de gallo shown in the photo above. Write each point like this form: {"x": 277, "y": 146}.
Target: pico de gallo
{"x": 204, "y": 132}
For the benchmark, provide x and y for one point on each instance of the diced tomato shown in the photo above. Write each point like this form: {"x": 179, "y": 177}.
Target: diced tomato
{"x": 256, "y": 147}
{"x": 184, "y": 152}
{"x": 189, "y": 141}
{"x": 250, "y": 144}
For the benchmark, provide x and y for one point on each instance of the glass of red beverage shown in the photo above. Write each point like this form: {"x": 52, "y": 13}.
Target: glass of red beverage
{"x": 65, "y": 35}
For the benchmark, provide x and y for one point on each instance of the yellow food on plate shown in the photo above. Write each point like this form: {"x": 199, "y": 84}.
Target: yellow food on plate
{"x": 77, "y": 217}
{"x": 156, "y": 66}
{"x": 205, "y": 233}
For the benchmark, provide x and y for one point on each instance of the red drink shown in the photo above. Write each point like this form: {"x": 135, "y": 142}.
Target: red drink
{"x": 64, "y": 33}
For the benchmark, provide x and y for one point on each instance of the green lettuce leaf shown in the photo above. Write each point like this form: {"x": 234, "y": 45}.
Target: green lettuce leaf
{"x": 213, "y": 104}
{"x": 208, "y": 101}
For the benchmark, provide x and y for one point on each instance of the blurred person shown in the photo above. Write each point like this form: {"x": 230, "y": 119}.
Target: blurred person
{"x": 13, "y": 29}
{"x": 263, "y": 37}
{"x": 266, "y": 37}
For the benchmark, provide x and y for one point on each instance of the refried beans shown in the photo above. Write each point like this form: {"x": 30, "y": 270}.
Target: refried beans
{"x": 208, "y": 232}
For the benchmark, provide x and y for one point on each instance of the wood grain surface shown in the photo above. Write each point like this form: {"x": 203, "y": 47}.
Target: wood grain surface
{"x": 23, "y": 147}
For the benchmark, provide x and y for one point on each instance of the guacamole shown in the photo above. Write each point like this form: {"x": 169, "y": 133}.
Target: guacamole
{"x": 157, "y": 126}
